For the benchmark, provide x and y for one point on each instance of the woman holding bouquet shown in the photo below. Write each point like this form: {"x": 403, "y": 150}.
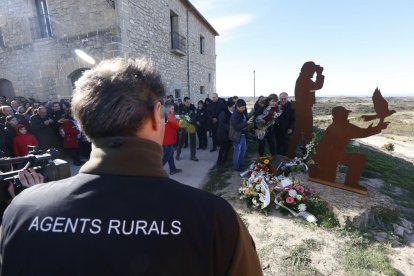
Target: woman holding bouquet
{"x": 265, "y": 116}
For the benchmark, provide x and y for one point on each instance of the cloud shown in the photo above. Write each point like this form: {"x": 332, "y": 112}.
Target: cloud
{"x": 204, "y": 5}
{"x": 227, "y": 23}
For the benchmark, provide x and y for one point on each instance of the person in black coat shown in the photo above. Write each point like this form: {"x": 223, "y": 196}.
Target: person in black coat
{"x": 266, "y": 106}
{"x": 284, "y": 125}
{"x": 43, "y": 130}
{"x": 201, "y": 125}
{"x": 187, "y": 109}
{"x": 214, "y": 110}
{"x": 223, "y": 133}
{"x": 10, "y": 133}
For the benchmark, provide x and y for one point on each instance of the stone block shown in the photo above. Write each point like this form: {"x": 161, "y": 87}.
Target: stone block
{"x": 352, "y": 209}
{"x": 398, "y": 230}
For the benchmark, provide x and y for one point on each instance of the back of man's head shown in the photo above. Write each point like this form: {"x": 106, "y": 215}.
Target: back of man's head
{"x": 116, "y": 97}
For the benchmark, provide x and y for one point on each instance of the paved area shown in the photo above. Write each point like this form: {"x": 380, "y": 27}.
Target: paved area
{"x": 194, "y": 173}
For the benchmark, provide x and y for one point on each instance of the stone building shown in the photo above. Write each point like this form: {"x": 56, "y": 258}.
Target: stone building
{"x": 38, "y": 39}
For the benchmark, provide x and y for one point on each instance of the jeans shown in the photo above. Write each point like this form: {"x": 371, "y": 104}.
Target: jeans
{"x": 169, "y": 156}
{"x": 239, "y": 152}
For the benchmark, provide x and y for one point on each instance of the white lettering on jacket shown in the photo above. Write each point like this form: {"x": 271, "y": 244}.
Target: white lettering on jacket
{"x": 96, "y": 226}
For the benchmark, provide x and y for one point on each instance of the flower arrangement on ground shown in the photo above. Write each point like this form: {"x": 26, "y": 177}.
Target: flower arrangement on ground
{"x": 295, "y": 197}
{"x": 257, "y": 193}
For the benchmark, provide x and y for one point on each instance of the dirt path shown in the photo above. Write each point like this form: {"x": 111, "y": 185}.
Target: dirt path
{"x": 403, "y": 145}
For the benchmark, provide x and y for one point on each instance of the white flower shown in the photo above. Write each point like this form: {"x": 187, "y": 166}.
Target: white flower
{"x": 299, "y": 197}
{"x": 257, "y": 187}
{"x": 292, "y": 193}
{"x": 302, "y": 207}
{"x": 286, "y": 182}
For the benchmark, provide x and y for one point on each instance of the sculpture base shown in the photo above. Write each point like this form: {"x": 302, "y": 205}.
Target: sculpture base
{"x": 350, "y": 208}
{"x": 361, "y": 190}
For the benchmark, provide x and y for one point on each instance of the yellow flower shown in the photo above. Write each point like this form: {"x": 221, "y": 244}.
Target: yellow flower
{"x": 266, "y": 161}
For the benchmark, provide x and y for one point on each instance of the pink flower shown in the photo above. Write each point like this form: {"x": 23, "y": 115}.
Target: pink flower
{"x": 312, "y": 191}
{"x": 290, "y": 200}
{"x": 300, "y": 189}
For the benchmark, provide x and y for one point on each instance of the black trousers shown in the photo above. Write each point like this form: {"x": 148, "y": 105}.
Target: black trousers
{"x": 202, "y": 138}
{"x": 223, "y": 154}
{"x": 181, "y": 141}
{"x": 214, "y": 132}
{"x": 282, "y": 140}
{"x": 270, "y": 139}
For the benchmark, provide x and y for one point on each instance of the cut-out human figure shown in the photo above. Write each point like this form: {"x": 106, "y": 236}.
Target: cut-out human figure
{"x": 304, "y": 100}
{"x": 330, "y": 150}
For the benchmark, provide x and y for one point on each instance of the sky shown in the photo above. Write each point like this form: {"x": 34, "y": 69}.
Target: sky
{"x": 362, "y": 44}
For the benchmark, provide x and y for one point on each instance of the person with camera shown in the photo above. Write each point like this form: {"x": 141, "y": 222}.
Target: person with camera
{"x": 9, "y": 189}
{"x": 304, "y": 100}
{"x": 122, "y": 215}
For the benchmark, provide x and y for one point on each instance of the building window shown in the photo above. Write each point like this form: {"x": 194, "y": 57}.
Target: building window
{"x": 202, "y": 44}
{"x": 43, "y": 18}
{"x": 178, "y": 42}
{"x": 209, "y": 77}
{"x": 177, "y": 93}
{"x": 1, "y": 39}
{"x": 201, "y": 89}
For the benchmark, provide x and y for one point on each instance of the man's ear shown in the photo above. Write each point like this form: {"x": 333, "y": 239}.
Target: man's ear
{"x": 157, "y": 116}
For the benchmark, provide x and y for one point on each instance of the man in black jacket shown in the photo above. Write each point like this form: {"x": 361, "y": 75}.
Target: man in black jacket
{"x": 284, "y": 125}
{"x": 10, "y": 133}
{"x": 122, "y": 215}
{"x": 214, "y": 109}
{"x": 42, "y": 127}
{"x": 187, "y": 111}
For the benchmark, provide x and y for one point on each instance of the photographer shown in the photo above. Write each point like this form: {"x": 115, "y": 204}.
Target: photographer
{"x": 27, "y": 178}
{"x": 122, "y": 215}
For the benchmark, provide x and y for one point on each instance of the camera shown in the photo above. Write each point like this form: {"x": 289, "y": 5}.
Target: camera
{"x": 44, "y": 162}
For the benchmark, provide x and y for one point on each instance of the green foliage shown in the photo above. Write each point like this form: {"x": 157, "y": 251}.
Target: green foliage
{"x": 388, "y": 147}
{"x": 326, "y": 218}
{"x": 218, "y": 179}
{"x": 300, "y": 254}
{"x": 367, "y": 260}
{"x": 396, "y": 173}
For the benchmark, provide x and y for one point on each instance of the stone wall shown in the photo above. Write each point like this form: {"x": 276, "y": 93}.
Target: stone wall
{"x": 146, "y": 32}
{"x": 41, "y": 67}
{"x": 201, "y": 65}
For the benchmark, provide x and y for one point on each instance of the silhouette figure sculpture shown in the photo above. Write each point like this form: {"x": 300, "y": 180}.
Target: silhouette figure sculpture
{"x": 330, "y": 152}
{"x": 380, "y": 107}
{"x": 304, "y": 100}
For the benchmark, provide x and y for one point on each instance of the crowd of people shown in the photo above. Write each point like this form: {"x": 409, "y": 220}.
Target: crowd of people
{"x": 27, "y": 122}
{"x": 227, "y": 121}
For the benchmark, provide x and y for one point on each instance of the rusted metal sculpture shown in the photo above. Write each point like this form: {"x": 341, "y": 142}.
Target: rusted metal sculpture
{"x": 304, "y": 100}
{"x": 330, "y": 150}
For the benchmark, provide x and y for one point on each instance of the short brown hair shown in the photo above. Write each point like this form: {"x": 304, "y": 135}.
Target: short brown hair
{"x": 116, "y": 96}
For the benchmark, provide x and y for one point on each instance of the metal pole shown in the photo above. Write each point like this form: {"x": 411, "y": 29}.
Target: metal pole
{"x": 254, "y": 85}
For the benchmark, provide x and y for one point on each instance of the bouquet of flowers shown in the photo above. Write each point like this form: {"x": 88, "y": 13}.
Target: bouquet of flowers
{"x": 265, "y": 120}
{"x": 295, "y": 197}
{"x": 185, "y": 123}
{"x": 257, "y": 193}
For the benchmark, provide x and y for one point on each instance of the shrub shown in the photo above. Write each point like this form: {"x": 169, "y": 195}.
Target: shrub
{"x": 388, "y": 147}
